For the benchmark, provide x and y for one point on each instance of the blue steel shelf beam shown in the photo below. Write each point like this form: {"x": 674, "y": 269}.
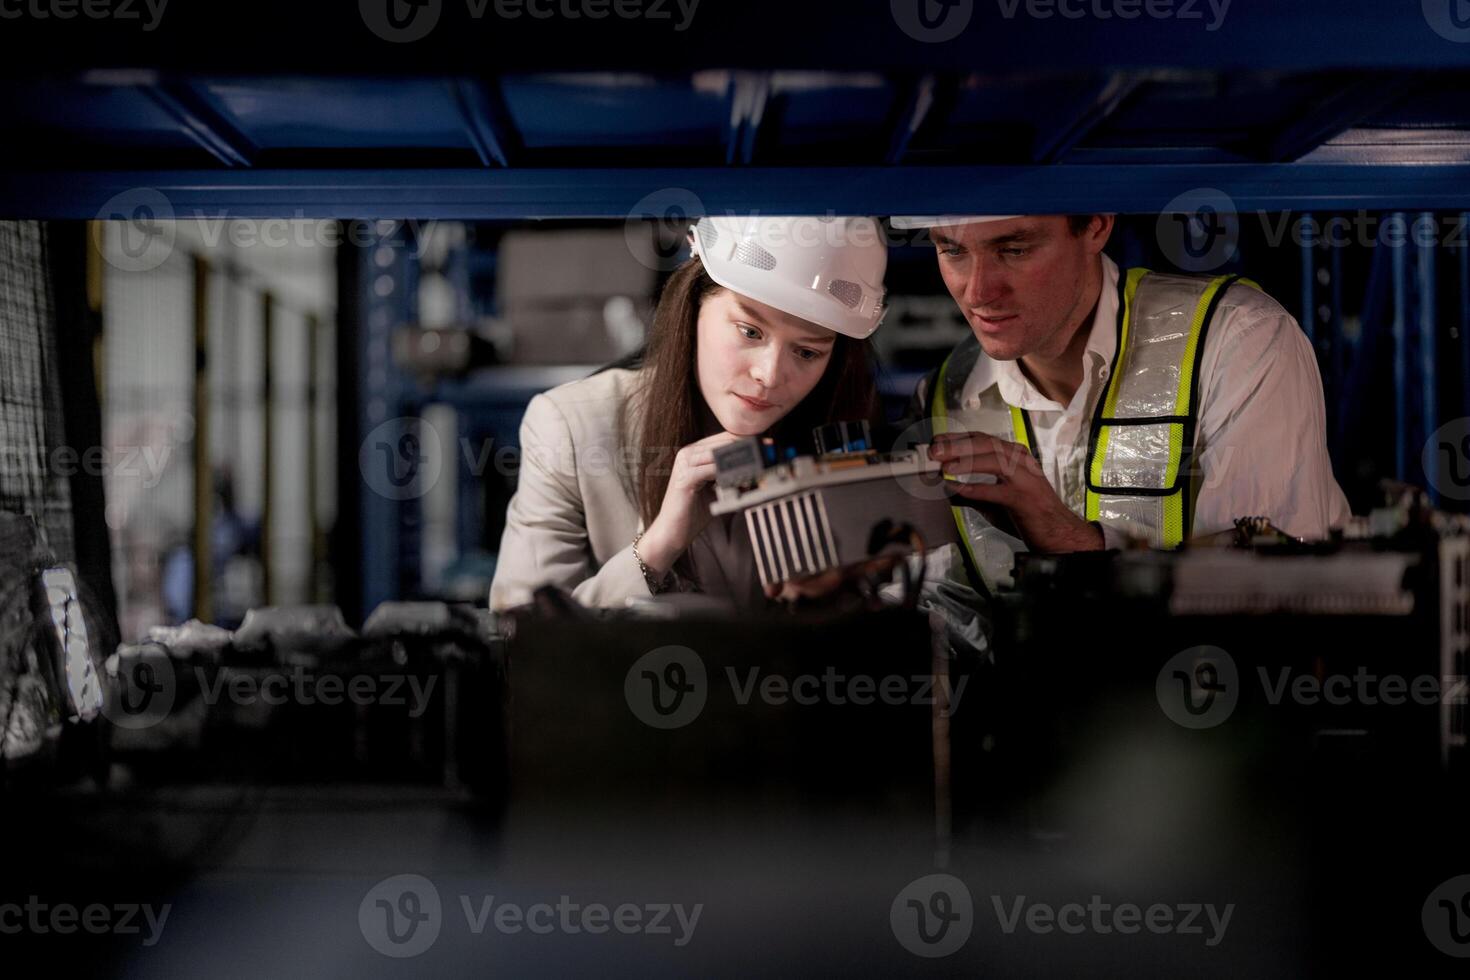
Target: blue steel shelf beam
{"x": 917, "y": 104}
{"x": 1345, "y": 108}
{"x": 1093, "y": 111}
{"x": 496, "y": 193}
{"x": 306, "y": 38}
{"x": 487, "y": 120}
{"x": 202, "y": 121}
{"x": 750, "y": 95}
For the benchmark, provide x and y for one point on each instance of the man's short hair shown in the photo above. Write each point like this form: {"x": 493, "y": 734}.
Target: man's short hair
{"x": 1078, "y": 223}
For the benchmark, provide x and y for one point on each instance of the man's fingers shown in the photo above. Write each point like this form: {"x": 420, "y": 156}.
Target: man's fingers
{"x": 994, "y": 464}
{"x": 951, "y": 445}
{"x": 987, "y": 493}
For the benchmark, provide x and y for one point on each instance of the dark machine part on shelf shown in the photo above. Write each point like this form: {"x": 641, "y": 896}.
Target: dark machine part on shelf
{"x": 750, "y": 719}
{"x": 296, "y": 694}
{"x": 1343, "y": 657}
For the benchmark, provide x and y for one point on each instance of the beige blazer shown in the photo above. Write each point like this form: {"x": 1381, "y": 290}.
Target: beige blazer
{"x": 572, "y": 520}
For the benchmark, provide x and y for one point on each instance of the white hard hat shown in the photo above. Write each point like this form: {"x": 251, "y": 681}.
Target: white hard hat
{"x": 823, "y": 269}
{"x": 908, "y": 222}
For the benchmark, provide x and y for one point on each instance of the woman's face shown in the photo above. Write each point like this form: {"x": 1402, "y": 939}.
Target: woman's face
{"x": 755, "y": 362}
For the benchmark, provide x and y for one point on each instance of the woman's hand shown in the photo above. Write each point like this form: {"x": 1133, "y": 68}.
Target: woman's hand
{"x": 685, "y": 508}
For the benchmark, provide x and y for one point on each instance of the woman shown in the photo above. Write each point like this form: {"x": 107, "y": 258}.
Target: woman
{"x": 760, "y": 332}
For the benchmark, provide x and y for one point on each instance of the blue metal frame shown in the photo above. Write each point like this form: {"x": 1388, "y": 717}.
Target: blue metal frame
{"x": 204, "y": 122}
{"x": 750, "y": 96}
{"x": 1400, "y": 355}
{"x": 1464, "y": 277}
{"x": 917, "y": 102}
{"x": 1308, "y": 317}
{"x": 486, "y": 120}
{"x": 1337, "y": 113}
{"x": 1099, "y": 104}
{"x": 597, "y": 193}
{"x": 1425, "y": 247}
{"x": 383, "y": 394}
{"x": 228, "y": 35}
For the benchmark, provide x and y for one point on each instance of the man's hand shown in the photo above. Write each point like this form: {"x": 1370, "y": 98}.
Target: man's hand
{"x": 1045, "y": 522}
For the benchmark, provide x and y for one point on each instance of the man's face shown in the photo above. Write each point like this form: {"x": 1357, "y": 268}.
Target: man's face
{"x": 1023, "y": 282}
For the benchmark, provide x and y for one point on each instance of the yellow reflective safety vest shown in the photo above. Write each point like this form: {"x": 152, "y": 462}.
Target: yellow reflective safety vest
{"x": 1140, "y": 455}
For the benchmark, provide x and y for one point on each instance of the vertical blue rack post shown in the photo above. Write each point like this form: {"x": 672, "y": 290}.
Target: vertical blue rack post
{"x": 1400, "y": 350}
{"x": 389, "y": 287}
{"x": 1425, "y": 239}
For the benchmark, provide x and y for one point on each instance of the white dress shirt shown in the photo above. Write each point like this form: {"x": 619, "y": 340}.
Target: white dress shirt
{"x": 1261, "y": 437}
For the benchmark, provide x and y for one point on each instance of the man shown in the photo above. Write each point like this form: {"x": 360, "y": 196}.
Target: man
{"x": 1105, "y": 406}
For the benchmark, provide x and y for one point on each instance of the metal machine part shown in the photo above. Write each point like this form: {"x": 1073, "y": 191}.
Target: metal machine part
{"x": 71, "y": 651}
{"x": 193, "y": 638}
{"x": 1393, "y": 608}
{"x": 310, "y": 629}
{"x": 50, "y": 682}
{"x": 813, "y": 513}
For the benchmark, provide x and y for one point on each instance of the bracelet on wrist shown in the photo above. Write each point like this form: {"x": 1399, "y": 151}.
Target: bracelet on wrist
{"x": 656, "y": 583}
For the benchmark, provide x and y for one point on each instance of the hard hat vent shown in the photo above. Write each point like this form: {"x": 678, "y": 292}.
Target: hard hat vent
{"x": 848, "y": 293}
{"x": 709, "y": 232}
{"x": 753, "y": 255}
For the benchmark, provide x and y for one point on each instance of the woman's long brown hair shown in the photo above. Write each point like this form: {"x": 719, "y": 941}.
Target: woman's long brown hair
{"x": 664, "y": 416}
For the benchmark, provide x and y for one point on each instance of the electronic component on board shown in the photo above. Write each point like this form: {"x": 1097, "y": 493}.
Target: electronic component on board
{"x": 807, "y": 514}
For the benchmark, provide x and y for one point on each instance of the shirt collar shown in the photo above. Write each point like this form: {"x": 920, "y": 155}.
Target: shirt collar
{"x": 1016, "y": 389}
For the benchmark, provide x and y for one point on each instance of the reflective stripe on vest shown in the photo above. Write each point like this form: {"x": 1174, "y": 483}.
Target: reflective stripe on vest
{"x": 1141, "y": 445}
{"x": 989, "y": 567}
